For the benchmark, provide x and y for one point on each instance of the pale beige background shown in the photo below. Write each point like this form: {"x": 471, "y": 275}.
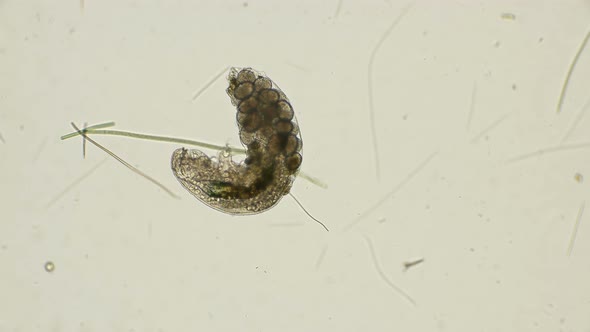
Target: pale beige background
{"x": 493, "y": 233}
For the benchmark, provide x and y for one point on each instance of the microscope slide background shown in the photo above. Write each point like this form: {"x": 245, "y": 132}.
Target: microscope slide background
{"x": 479, "y": 174}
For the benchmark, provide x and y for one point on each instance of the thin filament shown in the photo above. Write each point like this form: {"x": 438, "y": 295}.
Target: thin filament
{"x": 304, "y": 210}
{"x": 97, "y": 130}
{"x": 126, "y": 164}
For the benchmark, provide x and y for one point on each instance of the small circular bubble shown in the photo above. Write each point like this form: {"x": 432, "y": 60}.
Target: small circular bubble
{"x": 49, "y": 266}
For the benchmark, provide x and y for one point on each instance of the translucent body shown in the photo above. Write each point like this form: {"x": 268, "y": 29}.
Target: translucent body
{"x": 268, "y": 130}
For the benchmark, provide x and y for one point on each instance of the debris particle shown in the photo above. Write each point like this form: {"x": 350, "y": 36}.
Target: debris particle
{"x": 338, "y": 8}
{"x": 384, "y": 277}
{"x": 489, "y": 128}
{"x": 370, "y": 66}
{"x": 472, "y": 106}
{"x": 409, "y": 264}
{"x": 49, "y": 267}
{"x": 553, "y": 149}
{"x": 391, "y": 193}
{"x": 579, "y": 178}
{"x": 74, "y": 184}
{"x": 570, "y": 70}
{"x": 508, "y": 16}
{"x": 213, "y": 79}
{"x": 575, "y": 230}
{"x": 321, "y": 257}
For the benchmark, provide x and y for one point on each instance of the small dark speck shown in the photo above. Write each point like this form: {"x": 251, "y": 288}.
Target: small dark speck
{"x": 541, "y": 39}
{"x": 245, "y": 4}
{"x": 405, "y": 117}
{"x": 3, "y": 247}
{"x": 72, "y": 30}
{"x": 514, "y": 87}
{"x": 2, "y": 139}
{"x": 472, "y": 249}
{"x": 21, "y": 127}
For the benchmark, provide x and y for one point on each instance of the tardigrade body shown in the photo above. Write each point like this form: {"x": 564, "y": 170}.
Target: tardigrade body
{"x": 268, "y": 130}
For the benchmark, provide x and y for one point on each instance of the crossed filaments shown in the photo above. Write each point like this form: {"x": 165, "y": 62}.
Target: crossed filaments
{"x": 268, "y": 130}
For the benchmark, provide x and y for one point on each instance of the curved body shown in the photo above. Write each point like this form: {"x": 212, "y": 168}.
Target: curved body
{"x": 268, "y": 130}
